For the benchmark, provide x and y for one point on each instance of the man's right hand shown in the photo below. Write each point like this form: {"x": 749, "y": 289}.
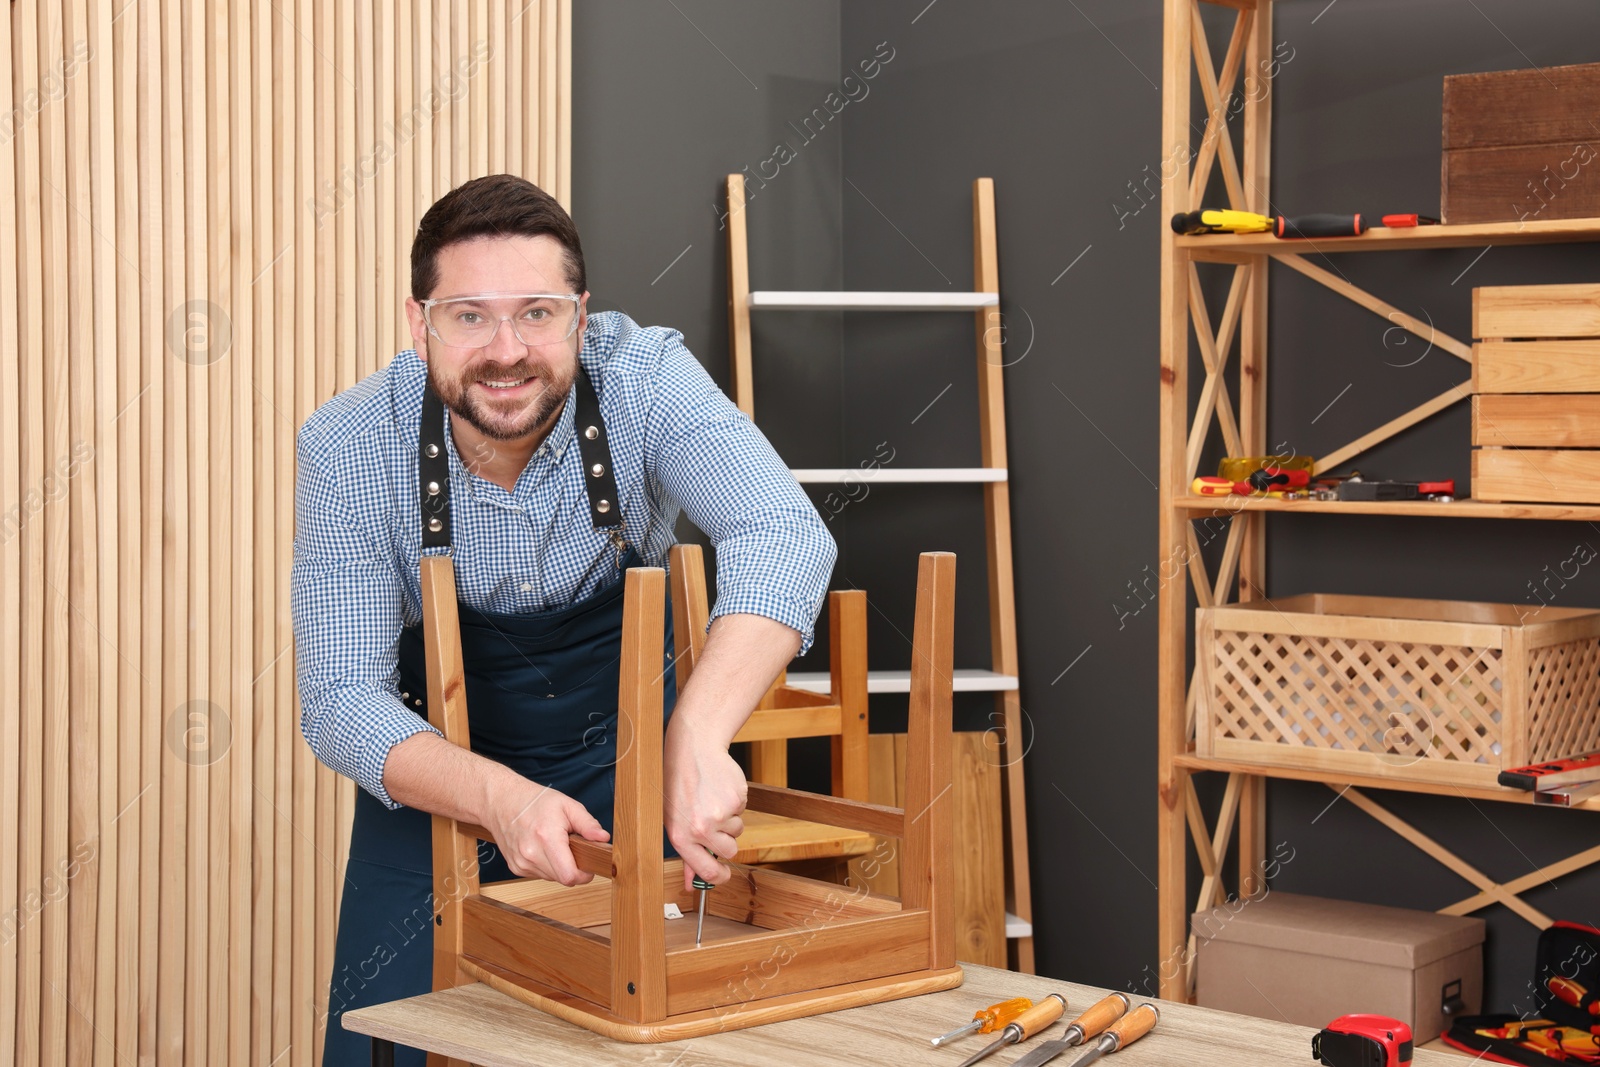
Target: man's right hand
{"x": 530, "y": 823}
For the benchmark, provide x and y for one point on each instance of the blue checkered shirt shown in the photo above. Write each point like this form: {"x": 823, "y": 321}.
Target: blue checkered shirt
{"x": 676, "y": 443}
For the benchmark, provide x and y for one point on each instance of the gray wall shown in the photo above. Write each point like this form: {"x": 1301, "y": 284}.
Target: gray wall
{"x": 1059, "y": 104}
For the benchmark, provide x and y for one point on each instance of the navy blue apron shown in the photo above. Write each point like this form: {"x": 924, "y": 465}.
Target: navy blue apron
{"x": 541, "y": 699}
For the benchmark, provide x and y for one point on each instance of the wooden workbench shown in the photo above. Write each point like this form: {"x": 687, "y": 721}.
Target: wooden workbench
{"x": 477, "y": 1024}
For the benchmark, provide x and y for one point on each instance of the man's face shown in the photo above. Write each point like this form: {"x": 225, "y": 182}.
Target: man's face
{"x": 508, "y": 389}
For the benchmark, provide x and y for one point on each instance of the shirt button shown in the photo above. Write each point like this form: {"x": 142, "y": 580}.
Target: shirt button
{"x": 527, "y": 587}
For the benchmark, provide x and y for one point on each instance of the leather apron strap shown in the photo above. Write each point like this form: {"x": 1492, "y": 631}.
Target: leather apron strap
{"x": 599, "y": 480}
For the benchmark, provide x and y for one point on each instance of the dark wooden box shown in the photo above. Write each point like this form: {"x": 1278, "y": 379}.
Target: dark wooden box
{"x": 1521, "y": 145}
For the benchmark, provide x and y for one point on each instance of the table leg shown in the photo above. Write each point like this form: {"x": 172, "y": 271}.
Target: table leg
{"x": 382, "y": 1053}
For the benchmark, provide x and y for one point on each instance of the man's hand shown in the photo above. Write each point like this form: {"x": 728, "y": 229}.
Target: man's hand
{"x": 530, "y": 823}
{"x": 703, "y": 801}
{"x": 703, "y": 788}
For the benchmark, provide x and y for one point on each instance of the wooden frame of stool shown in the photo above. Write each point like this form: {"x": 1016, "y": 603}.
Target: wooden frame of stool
{"x": 777, "y": 946}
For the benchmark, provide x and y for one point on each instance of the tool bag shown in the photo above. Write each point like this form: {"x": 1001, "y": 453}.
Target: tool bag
{"x": 1563, "y": 1025}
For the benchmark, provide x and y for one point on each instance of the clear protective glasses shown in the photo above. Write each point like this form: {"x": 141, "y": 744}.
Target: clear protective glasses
{"x": 473, "y": 321}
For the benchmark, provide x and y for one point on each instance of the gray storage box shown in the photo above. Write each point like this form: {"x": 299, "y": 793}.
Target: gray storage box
{"x": 1308, "y": 960}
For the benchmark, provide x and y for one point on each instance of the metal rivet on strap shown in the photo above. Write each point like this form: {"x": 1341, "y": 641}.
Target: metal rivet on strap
{"x": 432, "y": 451}
{"x": 419, "y": 703}
{"x": 591, "y": 432}
{"x": 602, "y": 506}
{"x": 433, "y": 488}
{"x": 405, "y": 696}
{"x": 435, "y": 525}
{"x": 598, "y": 469}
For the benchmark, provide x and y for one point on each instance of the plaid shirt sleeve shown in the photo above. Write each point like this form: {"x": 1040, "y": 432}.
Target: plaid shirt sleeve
{"x": 773, "y": 552}
{"x": 346, "y": 604}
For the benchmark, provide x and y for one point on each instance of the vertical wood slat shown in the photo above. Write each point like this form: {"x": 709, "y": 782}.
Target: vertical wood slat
{"x": 11, "y": 622}
{"x": 268, "y": 162}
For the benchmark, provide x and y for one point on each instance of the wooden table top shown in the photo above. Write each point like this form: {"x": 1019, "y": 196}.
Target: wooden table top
{"x": 476, "y": 1023}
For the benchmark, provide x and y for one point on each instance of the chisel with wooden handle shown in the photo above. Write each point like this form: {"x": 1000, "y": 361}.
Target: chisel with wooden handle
{"x": 1090, "y": 1024}
{"x": 1023, "y": 1026}
{"x": 1124, "y": 1032}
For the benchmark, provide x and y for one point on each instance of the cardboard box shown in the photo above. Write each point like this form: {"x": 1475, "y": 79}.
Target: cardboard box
{"x": 1518, "y": 145}
{"x": 1308, "y": 960}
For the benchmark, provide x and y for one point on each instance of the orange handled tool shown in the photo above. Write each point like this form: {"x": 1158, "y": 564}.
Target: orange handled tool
{"x": 1023, "y": 1026}
{"x": 1124, "y": 1032}
{"x": 987, "y": 1020}
{"x": 1090, "y": 1024}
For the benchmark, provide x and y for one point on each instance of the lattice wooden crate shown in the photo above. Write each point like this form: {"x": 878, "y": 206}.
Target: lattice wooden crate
{"x": 1427, "y": 690}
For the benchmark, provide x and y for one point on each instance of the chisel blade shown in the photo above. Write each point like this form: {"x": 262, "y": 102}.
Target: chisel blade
{"x": 1045, "y": 1053}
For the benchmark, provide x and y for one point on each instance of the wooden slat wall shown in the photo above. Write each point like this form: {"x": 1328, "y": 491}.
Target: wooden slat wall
{"x": 208, "y": 234}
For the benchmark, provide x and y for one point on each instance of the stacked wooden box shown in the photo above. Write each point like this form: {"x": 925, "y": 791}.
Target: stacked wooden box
{"x": 1521, "y": 145}
{"x": 1536, "y": 386}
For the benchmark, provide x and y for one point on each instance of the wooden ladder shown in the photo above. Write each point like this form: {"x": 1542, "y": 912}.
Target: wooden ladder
{"x": 1000, "y": 677}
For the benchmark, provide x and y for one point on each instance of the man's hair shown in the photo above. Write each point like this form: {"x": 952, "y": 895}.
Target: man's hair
{"x": 497, "y": 205}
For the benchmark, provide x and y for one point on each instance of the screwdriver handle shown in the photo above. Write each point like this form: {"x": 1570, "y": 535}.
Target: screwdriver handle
{"x": 995, "y": 1016}
{"x": 1132, "y": 1026}
{"x": 1100, "y": 1015}
{"x": 1035, "y": 1018}
{"x": 701, "y": 883}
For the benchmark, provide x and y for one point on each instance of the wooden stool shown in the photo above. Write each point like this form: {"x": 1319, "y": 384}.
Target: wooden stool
{"x": 777, "y": 946}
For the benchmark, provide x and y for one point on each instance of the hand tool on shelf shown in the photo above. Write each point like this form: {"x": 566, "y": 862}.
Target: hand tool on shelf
{"x": 1122, "y": 1033}
{"x": 1361, "y": 489}
{"x": 1268, "y": 478}
{"x": 1090, "y": 1024}
{"x": 1573, "y": 770}
{"x": 1193, "y": 223}
{"x": 1363, "y": 1041}
{"x": 1404, "y": 220}
{"x": 1239, "y": 468}
{"x": 1023, "y": 1026}
{"x": 1565, "y": 796}
{"x": 987, "y": 1020}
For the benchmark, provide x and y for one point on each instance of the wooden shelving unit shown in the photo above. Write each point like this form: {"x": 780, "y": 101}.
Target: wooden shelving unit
{"x": 1241, "y": 420}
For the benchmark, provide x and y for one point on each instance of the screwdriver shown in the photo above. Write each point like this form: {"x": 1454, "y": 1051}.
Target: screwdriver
{"x": 987, "y": 1020}
{"x": 1124, "y": 1032}
{"x": 700, "y": 924}
{"x": 1085, "y": 1026}
{"x": 1025, "y": 1025}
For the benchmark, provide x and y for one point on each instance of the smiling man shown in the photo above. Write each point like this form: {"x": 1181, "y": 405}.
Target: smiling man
{"x": 547, "y": 451}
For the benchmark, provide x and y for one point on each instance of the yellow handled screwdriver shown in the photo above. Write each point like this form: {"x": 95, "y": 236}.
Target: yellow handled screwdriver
{"x": 1090, "y": 1024}
{"x": 1124, "y": 1032}
{"x": 1023, "y": 1026}
{"x": 987, "y": 1020}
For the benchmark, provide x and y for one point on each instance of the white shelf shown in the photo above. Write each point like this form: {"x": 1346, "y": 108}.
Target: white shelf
{"x": 1016, "y": 927}
{"x": 829, "y": 475}
{"x": 968, "y": 680}
{"x": 780, "y": 300}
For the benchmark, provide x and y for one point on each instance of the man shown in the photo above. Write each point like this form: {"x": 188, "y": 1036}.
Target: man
{"x": 546, "y": 451}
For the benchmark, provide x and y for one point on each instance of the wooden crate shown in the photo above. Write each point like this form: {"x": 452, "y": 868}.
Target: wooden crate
{"x": 1518, "y": 145}
{"x": 1444, "y": 692}
{"x": 1536, "y": 393}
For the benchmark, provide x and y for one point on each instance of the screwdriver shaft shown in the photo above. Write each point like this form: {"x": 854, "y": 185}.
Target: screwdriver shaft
{"x": 960, "y": 1031}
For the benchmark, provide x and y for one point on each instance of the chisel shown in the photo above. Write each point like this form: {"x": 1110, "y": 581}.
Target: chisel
{"x": 1023, "y": 1026}
{"x": 1085, "y": 1026}
{"x": 1124, "y": 1032}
